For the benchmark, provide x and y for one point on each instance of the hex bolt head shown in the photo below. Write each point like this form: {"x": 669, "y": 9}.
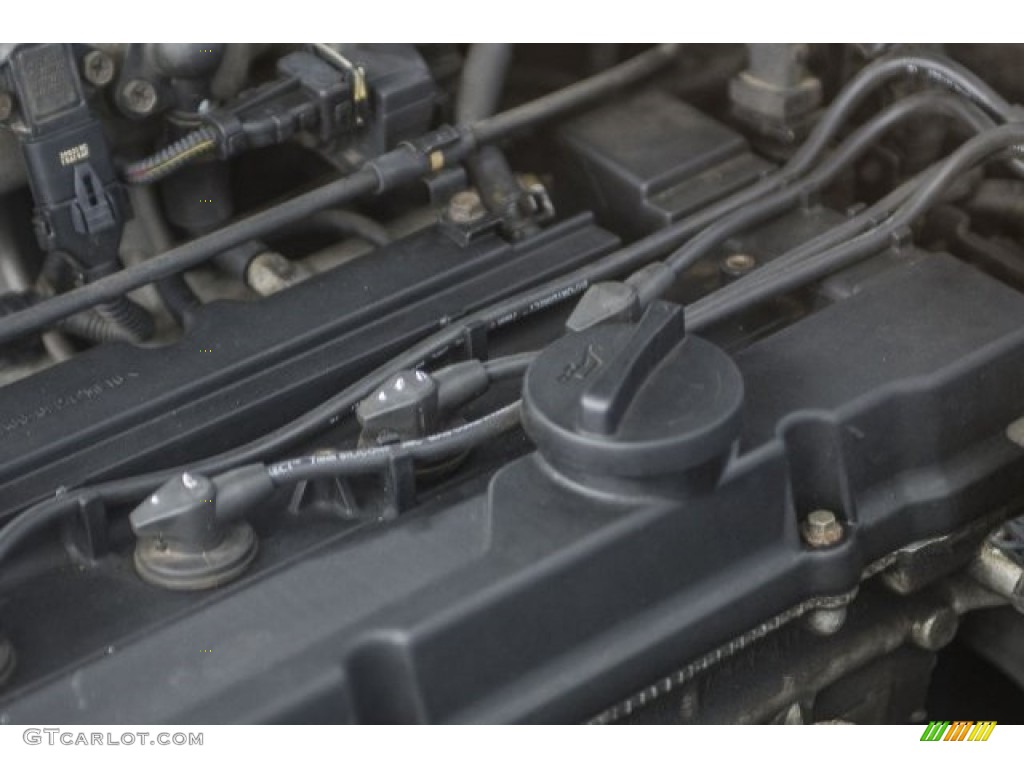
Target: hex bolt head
{"x": 738, "y": 264}
{"x": 826, "y": 621}
{"x": 6, "y": 105}
{"x": 822, "y": 529}
{"x": 936, "y": 631}
{"x": 98, "y": 68}
{"x": 465, "y": 207}
{"x": 139, "y": 96}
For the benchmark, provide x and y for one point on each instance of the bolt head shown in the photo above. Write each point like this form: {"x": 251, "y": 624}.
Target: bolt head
{"x": 140, "y": 97}
{"x": 826, "y": 621}
{"x": 935, "y": 631}
{"x": 822, "y": 528}
{"x": 98, "y": 68}
{"x": 738, "y": 264}
{"x": 466, "y": 207}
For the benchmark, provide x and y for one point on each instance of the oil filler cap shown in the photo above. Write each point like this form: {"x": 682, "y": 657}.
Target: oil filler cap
{"x": 633, "y": 400}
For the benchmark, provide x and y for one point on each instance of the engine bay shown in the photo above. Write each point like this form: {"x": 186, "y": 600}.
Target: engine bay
{"x": 511, "y": 383}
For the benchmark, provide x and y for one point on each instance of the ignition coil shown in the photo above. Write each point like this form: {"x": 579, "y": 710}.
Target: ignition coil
{"x": 80, "y": 206}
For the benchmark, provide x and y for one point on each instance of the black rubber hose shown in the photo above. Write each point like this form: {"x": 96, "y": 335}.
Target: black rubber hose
{"x": 482, "y": 81}
{"x": 480, "y": 90}
{"x": 177, "y": 297}
{"x": 762, "y": 284}
{"x": 933, "y": 68}
{"x": 349, "y": 224}
{"x": 509, "y": 367}
{"x": 559, "y": 103}
{"x": 35, "y": 517}
{"x": 92, "y": 327}
{"x": 123, "y": 313}
{"x": 795, "y": 272}
{"x": 87, "y": 325}
{"x": 848, "y": 152}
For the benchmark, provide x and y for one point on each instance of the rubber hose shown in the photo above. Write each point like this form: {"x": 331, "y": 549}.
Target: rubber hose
{"x": 177, "y": 297}
{"x": 175, "y": 293}
{"x": 483, "y": 80}
{"x": 92, "y": 327}
{"x": 129, "y": 317}
{"x": 350, "y": 223}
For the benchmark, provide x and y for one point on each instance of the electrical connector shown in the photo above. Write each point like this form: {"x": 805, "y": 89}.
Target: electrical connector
{"x": 309, "y": 96}
{"x": 190, "y": 531}
{"x": 405, "y": 407}
{"x": 613, "y": 301}
{"x": 80, "y": 207}
{"x": 413, "y": 404}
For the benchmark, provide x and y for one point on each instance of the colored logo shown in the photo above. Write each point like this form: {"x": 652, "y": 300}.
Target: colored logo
{"x": 960, "y": 730}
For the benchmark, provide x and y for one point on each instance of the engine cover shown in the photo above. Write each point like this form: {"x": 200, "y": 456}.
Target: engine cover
{"x": 528, "y": 597}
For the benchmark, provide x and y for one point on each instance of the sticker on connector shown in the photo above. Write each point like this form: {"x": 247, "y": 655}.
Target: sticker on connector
{"x": 73, "y": 155}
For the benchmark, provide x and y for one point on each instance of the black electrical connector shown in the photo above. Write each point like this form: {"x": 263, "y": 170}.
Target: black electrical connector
{"x": 412, "y": 404}
{"x": 309, "y": 95}
{"x": 80, "y": 206}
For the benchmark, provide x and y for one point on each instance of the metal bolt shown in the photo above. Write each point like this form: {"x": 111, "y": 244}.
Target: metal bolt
{"x": 826, "y": 621}
{"x": 6, "y": 105}
{"x": 465, "y": 207}
{"x": 738, "y": 264}
{"x": 822, "y": 528}
{"x": 270, "y": 272}
{"x": 935, "y": 631}
{"x": 98, "y": 68}
{"x": 139, "y": 97}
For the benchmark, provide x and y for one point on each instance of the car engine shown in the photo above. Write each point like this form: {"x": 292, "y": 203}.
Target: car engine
{"x": 351, "y": 383}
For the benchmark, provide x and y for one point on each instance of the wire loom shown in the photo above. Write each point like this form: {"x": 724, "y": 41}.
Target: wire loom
{"x": 185, "y": 150}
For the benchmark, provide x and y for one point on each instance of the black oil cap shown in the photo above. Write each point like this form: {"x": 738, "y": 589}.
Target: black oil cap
{"x": 633, "y": 400}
